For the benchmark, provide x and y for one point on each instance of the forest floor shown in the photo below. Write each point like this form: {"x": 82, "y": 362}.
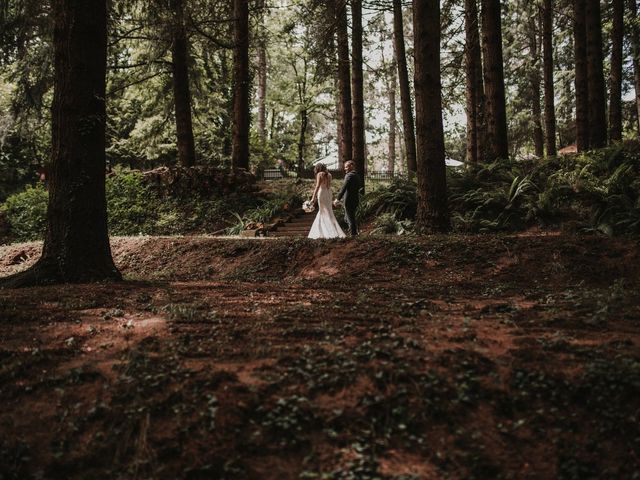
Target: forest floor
{"x": 497, "y": 356}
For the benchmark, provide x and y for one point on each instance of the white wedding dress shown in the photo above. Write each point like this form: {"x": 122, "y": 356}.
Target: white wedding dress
{"x": 325, "y": 225}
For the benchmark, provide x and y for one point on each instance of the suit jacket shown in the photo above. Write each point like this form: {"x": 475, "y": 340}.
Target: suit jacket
{"x": 350, "y": 190}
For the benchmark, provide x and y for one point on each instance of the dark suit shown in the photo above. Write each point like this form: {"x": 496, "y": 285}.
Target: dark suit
{"x": 351, "y": 192}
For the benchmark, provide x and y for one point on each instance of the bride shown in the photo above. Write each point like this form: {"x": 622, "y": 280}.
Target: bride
{"x": 325, "y": 225}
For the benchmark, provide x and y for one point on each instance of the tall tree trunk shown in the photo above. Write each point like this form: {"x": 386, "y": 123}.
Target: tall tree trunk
{"x": 549, "y": 93}
{"x": 76, "y": 246}
{"x": 344, "y": 81}
{"x": 615, "y": 79}
{"x": 227, "y": 113}
{"x": 405, "y": 92}
{"x": 536, "y": 109}
{"x": 595, "y": 74}
{"x": 302, "y": 144}
{"x": 496, "y": 116}
{"x": 433, "y": 215}
{"x": 635, "y": 47}
{"x": 181, "y": 90}
{"x": 241, "y": 116}
{"x": 339, "y": 122}
{"x": 357, "y": 82}
{"x": 262, "y": 76}
{"x": 582, "y": 85}
{"x": 393, "y": 122}
{"x": 474, "y": 84}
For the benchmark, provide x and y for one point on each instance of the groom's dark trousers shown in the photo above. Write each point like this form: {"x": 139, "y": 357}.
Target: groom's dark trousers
{"x": 351, "y": 192}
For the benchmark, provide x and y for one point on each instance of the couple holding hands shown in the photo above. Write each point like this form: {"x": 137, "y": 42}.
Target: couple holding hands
{"x": 325, "y": 225}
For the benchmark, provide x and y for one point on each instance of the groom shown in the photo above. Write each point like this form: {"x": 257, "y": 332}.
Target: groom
{"x": 351, "y": 192}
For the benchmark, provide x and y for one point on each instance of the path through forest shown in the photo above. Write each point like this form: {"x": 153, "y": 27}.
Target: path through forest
{"x": 385, "y": 357}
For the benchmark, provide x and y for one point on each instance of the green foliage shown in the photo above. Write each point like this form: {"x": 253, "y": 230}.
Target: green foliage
{"x": 598, "y": 191}
{"x": 264, "y": 212}
{"x": 26, "y": 213}
{"x": 131, "y": 205}
{"x": 397, "y": 198}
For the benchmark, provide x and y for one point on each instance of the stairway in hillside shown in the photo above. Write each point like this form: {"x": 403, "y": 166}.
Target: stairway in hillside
{"x": 297, "y": 227}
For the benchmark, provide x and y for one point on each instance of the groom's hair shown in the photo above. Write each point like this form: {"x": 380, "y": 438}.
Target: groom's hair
{"x": 350, "y": 163}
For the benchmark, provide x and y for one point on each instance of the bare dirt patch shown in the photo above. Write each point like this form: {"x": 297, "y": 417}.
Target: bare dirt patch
{"x": 407, "y": 358}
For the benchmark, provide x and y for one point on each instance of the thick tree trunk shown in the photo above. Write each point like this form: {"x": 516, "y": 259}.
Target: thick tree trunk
{"x": 241, "y": 115}
{"x": 262, "y": 77}
{"x": 405, "y": 92}
{"x": 615, "y": 79}
{"x": 344, "y": 81}
{"x": 635, "y": 48}
{"x": 181, "y": 90}
{"x": 536, "y": 109}
{"x": 549, "y": 93}
{"x": 582, "y": 86}
{"x": 474, "y": 84}
{"x": 595, "y": 74}
{"x": 496, "y": 116}
{"x": 359, "y": 152}
{"x": 76, "y": 246}
{"x": 433, "y": 215}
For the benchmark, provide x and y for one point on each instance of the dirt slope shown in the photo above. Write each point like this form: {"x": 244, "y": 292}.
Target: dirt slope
{"x": 436, "y": 357}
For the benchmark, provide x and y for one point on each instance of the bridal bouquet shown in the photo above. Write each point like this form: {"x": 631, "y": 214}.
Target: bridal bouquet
{"x": 308, "y": 207}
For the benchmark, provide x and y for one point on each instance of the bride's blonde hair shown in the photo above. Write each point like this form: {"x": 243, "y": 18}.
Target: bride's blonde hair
{"x": 320, "y": 167}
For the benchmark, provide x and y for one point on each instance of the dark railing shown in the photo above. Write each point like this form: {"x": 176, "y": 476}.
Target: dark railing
{"x": 374, "y": 175}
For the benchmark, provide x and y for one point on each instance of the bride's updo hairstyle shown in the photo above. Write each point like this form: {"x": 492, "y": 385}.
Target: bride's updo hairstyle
{"x": 320, "y": 167}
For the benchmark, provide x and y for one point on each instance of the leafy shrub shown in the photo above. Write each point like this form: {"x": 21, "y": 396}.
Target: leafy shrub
{"x": 397, "y": 198}
{"x": 26, "y": 213}
{"x": 132, "y": 207}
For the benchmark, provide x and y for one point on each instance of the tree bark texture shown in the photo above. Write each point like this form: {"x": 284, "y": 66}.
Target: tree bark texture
{"x": 534, "y": 79}
{"x": 344, "y": 81}
{"x": 595, "y": 77}
{"x": 474, "y": 83}
{"x": 262, "y": 76}
{"x": 582, "y": 86}
{"x": 227, "y": 114}
{"x": 393, "y": 122}
{"x": 76, "y": 246}
{"x": 496, "y": 116}
{"x": 181, "y": 90}
{"x": 241, "y": 114}
{"x": 635, "y": 48}
{"x": 472, "y": 42}
{"x": 357, "y": 87}
{"x": 615, "y": 78}
{"x": 433, "y": 215}
{"x": 405, "y": 88}
{"x": 549, "y": 92}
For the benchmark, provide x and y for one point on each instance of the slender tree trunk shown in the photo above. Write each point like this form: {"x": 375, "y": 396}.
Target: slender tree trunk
{"x": 582, "y": 86}
{"x": 595, "y": 74}
{"x": 496, "y": 116}
{"x": 262, "y": 77}
{"x": 227, "y": 114}
{"x": 433, "y": 215}
{"x": 474, "y": 85}
{"x": 405, "y": 91}
{"x": 536, "y": 109}
{"x": 181, "y": 90}
{"x": 615, "y": 79}
{"x": 76, "y": 246}
{"x": 549, "y": 93}
{"x": 635, "y": 48}
{"x": 393, "y": 122}
{"x": 344, "y": 81}
{"x": 304, "y": 122}
{"x": 339, "y": 123}
{"x": 357, "y": 82}
{"x": 241, "y": 116}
